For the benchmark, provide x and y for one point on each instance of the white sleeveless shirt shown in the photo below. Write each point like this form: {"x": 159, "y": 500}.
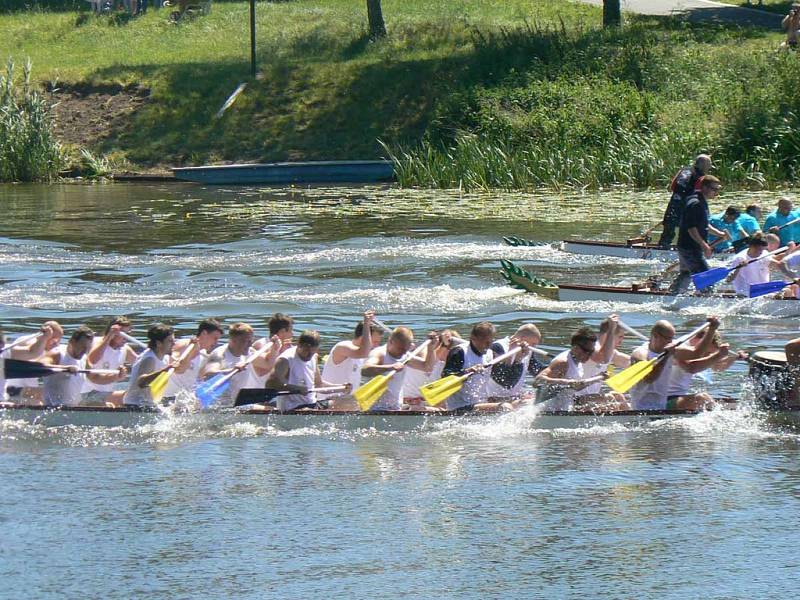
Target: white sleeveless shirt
{"x": 680, "y": 381}
{"x": 416, "y": 378}
{"x": 592, "y": 369}
{"x": 563, "y": 399}
{"x": 301, "y": 372}
{"x": 392, "y": 398}
{"x": 147, "y": 362}
{"x": 65, "y": 388}
{"x": 653, "y": 395}
{"x": 243, "y": 379}
{"x": 494, "y": 389}
{"x": 186, "y": 382}
{"x": 347, "y": 371}
{"x": 474, "y": 389}
{"x": 111, "y": 359}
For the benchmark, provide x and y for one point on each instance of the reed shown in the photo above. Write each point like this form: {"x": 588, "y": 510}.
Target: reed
{"x": 28, "y": 150}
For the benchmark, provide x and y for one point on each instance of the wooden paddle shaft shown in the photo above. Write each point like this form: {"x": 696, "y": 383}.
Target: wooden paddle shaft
{"x": 133, "y": 340}
{"x": 632, "y": 331}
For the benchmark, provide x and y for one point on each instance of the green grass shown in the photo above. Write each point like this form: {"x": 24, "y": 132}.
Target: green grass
{"x": 476, "y": 93}
{"x": 776, "y": 6}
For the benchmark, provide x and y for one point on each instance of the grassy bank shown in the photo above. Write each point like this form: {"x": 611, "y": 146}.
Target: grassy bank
{"x": 479, "y": 94}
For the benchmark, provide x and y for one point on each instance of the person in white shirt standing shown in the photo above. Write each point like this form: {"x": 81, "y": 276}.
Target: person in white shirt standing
{"x": 109, "y": 352}
{"x": 756, "y": 272}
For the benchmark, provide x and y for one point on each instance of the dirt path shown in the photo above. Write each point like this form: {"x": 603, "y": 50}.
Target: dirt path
{"x": 701, "y": 10}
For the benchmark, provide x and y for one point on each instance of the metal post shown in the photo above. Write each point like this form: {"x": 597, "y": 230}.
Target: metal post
{"x": 253, "y": 38}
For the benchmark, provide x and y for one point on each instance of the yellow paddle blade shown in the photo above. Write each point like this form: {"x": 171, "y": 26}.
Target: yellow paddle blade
{"x": 158, "y": 385}
{"x": 441, "y": 389}
{"x": 368, "y": 394}
{"x": 627, "y": 378}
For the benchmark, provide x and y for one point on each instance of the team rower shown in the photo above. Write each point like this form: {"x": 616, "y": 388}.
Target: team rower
{"x": 567, "y": 385}
{"x": 394, "y": 356}
{"x": 29, "y": 391}
{"x": 64, "y": 389}
{"x": 186, "y": 376}
{"x": 348, "y": 356}
{"x": 150, "y": 364}
{"x": 109, "y": 352}
{"x": 297, "y": 372}
{"x": 756, "y": 272}
{"x": 234, "y": 354}
{"x": 416, "y": 378}
{"x": 506, "y": 381}
{"x": 33, "y": 348}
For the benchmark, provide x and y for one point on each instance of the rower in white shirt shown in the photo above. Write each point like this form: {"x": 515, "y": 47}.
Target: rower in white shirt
{"x": 228, "y": 357}
{"x": 28, "y": 347}
{"x": 64, "y": 389}
{"x": 29, "y": 391}
{"x": 280, "y": 326}
{"x": 187, "y": 374}
{"x": 756, "y": 272}
{"x": 109, "y": 352}
{"x": 150, "y": 364}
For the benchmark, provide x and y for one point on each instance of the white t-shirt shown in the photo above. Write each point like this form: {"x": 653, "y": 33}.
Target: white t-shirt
{"x": 757, "y": 272}
{"x": 148, "y": 362}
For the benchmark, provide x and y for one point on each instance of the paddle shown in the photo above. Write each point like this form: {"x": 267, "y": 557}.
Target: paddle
{"x": 22, "y": 340}
{"x": 263, "y": 396}
{"x": 769, "y": 287}
{"x": 211, "y": 389}
{"x": 627, "y": 378}
{"x": 632, "y": 331}
{"x": 159, "y": 384}
{"x": 25, "y": 369}
{"x": 133, "y": 340}
{"x": 440, "y": 390}
{"x": 708, "y": 278}
{"x": 369, "y": 393}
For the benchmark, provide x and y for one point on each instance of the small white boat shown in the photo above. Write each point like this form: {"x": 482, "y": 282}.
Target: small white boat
{"x": 390, "y": 421}
{"x": 640, "y": 294}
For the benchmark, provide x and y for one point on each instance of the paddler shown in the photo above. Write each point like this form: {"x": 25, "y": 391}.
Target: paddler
{"x": 693, "y": 250}
{"x": 187, "y": 374}
{"x": 389, "y": 357}
{"x": 225, "y": 358}
{"x": 566, "y": 382}
{"x": 280, "y": 326}
{"x": 347, "y": 357}
{"x": 297, "y": 371}
{"x": 683, "y": 185}
{"x": 472, "y": 357}
{"x": 778, "y": 222}
{"x": 64, "y": 389}
{"x": 32, "y": 349}
{"x": 29, "y": 391}
{"x": 610, "y": 337}
{"x": 150, "y": 364}
{"x": 109, "y": 352}
{"x": 756, "y": 272}
{"x": 416, "y": 378}
{"x": 749, "y": 219}
{"x": 506, "y": 381}
{"x": 728, "y": 220}
{"x": 704, "y": 351}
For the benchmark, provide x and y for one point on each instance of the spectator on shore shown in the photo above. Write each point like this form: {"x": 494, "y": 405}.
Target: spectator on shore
{"x": 791, "y": 25}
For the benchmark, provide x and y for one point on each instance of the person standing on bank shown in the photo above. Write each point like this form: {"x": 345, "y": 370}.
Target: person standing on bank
{"x": 693, "y": 250}
{"x": 683, "y": 185}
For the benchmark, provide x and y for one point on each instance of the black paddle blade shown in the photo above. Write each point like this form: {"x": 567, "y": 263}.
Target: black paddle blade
{"x": 25, "y": 369}
{"x": 254, "y": 396}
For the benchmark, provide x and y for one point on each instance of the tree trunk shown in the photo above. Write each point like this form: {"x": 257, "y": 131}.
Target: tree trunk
{"x": 377, "y": 28}
{"x": 612, "y": 15}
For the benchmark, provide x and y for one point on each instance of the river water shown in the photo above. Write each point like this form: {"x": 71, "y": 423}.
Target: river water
{"x": 705, "y": 507}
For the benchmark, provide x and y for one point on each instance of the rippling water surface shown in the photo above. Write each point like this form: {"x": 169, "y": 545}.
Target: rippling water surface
{"x": 494, "y": 507}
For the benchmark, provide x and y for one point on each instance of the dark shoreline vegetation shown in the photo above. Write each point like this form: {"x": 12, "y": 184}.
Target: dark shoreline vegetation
{"x": 513, "y": 95}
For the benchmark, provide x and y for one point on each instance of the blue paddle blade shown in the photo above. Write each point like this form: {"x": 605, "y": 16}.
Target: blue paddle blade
{"x": 770, "y": 287}
{"x": 708, "y": 278}
{"x": 211, "y": 389}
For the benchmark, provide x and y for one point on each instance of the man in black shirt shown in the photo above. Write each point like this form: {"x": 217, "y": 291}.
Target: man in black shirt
{"x": 683, "y": 185}
{"x": 693, "y": 249}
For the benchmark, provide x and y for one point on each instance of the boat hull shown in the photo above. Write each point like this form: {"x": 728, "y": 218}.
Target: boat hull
{"x": 762, "y": 306}
{"x": 355, "y": 171}
{"x": 390, "y": 421}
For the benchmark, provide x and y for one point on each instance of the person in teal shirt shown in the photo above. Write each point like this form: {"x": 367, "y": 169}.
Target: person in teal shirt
{"x": 749, "y": 219}
{"x": 727, "y": 221}
{"x": 784, "y": 215}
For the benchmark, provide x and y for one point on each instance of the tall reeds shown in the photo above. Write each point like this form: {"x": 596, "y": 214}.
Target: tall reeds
{"x": 28, "y": 149}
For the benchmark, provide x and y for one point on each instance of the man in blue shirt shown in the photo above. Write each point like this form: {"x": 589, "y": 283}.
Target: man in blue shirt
{"x": 693, "y": 250}
{"x": 727, "y": 221}
{"x": 781, "y": 221}
{"x": 749, "y": 219}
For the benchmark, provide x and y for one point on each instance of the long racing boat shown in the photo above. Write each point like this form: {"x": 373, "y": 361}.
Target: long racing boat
{"x": 406, "y": 420}
{"x": 647, "y": 293}
{"x": 630, "y": 249}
